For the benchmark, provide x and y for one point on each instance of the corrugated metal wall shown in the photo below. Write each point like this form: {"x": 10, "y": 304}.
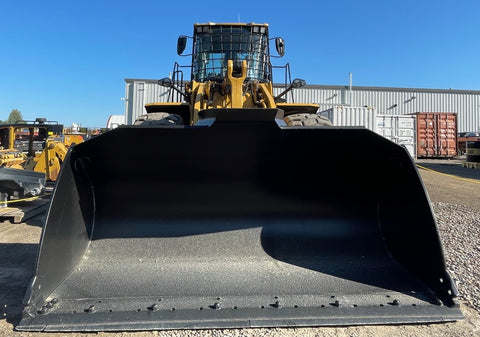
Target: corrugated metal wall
{"x": 352, "y": 116}
{"x": 388, "y": 101}
{"x": 140, "y": 92}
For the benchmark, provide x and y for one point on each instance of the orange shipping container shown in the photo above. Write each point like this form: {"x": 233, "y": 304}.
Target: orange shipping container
{"x": 436, "y": 134}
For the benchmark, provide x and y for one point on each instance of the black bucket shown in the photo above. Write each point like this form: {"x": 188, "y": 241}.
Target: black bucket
{"x": 240, "y": 224}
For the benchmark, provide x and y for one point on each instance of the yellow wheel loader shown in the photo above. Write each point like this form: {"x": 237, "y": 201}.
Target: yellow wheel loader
{"x": 236, "y": 208}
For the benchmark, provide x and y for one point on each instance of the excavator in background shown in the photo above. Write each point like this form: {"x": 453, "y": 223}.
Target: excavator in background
{"x": 236, "y": 208}
{"x": 31, "y": 153}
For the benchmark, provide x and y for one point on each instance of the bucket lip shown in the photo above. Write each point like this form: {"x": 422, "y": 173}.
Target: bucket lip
{"x": 217, "y": 316}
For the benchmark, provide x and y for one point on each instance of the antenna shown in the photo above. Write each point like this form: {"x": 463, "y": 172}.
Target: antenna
{"x": 350, "y": 87}
{"x": 238, "y": 16}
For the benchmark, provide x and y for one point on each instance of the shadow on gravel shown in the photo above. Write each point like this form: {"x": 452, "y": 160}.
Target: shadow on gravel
{"x": 16, "y": 270}
{"x": 453, "y": 168}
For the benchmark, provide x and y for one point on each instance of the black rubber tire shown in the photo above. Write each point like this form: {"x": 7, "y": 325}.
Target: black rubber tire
{"x": 159, "y": 118}
{"x": 307, "y": 120}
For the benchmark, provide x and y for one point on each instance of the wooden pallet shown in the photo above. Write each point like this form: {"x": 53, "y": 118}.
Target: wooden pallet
{"x": 24, "y": 210}
{"x": 471, "y": 165}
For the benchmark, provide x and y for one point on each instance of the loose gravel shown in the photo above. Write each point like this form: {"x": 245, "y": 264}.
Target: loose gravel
{"x": 459, "y": 228}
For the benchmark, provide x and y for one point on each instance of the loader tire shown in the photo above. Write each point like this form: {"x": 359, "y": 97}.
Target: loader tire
{"x": 159, "y": 118}
{"x": 307, "y": 120}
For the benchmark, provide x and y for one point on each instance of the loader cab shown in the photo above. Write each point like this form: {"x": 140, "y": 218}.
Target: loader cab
{"x": 214, "y": 45}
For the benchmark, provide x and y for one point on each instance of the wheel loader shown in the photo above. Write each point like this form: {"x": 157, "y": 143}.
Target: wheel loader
{"x": 237, "y": 208}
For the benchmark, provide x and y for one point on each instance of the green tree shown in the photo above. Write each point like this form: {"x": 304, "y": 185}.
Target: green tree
{"x": 14, "y": 117}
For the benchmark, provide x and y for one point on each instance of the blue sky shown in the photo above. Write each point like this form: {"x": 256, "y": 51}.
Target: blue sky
{"x": 67, "y": 60}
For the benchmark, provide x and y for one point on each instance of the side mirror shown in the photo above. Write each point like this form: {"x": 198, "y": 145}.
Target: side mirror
{"x": 166, "y": 82}
{"x": 280, "y": 45}
{"x": 298, "y": 83}
{"x": 181, "y": 44}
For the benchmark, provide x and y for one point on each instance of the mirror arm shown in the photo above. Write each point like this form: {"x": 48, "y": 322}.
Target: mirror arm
{"x": 179, "y": 91}
{"x": 283, "y": 93}
{"x": 168, "y": 83}
{"x": 297, "y": 83}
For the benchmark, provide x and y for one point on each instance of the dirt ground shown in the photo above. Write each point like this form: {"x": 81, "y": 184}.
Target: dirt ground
{"x": 450, "y": 183}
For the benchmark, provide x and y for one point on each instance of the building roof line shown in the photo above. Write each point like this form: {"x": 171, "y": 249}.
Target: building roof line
{"x": 368, "y": 88}
{"x": 354, "y": 88}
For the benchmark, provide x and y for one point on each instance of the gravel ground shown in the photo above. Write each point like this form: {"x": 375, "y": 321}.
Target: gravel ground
{"x": 459, "y": 228}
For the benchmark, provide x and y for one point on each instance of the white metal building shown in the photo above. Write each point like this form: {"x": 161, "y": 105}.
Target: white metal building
{"x": 388, "y": 101}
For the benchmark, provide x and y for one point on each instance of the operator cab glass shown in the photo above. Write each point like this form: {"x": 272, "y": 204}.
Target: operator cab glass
{"x": 215, "y": 45}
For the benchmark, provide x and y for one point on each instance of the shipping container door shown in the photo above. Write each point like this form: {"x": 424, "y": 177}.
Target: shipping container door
{"x": 405, "y": 133}
{"x": 436, "y": 134}
{"x": 425, "y": 139}
{"x": 447, "y": 138}
{"x": 399, "y": 129}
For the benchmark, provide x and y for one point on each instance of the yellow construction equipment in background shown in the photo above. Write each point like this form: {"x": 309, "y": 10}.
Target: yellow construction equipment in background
{"x": 12, "y": 158}
{"x": 49, "y": 160}
{"x": 38, "y": 146}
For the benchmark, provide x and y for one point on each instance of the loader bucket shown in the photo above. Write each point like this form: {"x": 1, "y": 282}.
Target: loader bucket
{"x": 238, "y": 224}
